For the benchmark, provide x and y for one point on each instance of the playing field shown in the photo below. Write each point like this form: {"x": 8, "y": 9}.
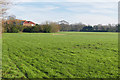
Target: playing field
{"x": 60, "y": 55}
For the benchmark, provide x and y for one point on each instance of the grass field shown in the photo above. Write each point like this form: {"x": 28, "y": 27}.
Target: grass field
{"x": 0, "y": 56}
{"x": 60, "y": 55}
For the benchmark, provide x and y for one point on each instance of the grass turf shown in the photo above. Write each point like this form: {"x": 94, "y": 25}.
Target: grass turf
{"x": 60, "y": 55}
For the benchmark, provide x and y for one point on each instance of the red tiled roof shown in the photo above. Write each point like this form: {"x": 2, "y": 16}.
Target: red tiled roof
{"x": 29, "y": 22}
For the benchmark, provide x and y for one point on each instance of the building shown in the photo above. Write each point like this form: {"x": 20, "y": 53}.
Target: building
{"x": 63, "y": 22}
{"x": 28, "y": 23}
{"x": 19, "y": 22}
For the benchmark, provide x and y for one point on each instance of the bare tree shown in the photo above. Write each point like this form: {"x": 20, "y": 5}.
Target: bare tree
{"x": 55, "y": 27}
{"x": 4, "y": 6}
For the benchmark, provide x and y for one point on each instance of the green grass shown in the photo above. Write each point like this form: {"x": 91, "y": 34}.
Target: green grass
{"x": 71, "y": 54}
{"x": 0, "y": 56}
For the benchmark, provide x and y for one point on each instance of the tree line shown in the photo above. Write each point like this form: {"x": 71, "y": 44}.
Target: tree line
{"x": 52, "y": 27}
{"x": 79, "y": 27}
{"x": 15, "y": 27}
{"x": 89, "y": 28}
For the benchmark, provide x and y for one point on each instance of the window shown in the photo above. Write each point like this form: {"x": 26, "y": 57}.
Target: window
{"x": 32, "y": 24}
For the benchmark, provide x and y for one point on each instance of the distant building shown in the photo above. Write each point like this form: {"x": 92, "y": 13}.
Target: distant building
{"x": 12, "y": 20}
{"x": 28, "y": 23}
{"x": 63, "y": 22}
{"x": 19, "y": 22}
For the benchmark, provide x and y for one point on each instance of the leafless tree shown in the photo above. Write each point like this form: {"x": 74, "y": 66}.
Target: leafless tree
{"x": 4, "y": 6}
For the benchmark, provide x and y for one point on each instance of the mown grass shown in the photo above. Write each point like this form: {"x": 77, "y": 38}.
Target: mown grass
{"x": 0, "y": 56}
{"x": 52, "y": 55}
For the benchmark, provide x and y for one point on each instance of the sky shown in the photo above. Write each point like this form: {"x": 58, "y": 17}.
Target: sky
{"x": 73, "y": 11}
{"x": 65, "y": 0}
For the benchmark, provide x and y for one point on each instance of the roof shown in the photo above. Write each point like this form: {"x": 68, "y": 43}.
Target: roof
{"x": 26, "y": 22}
{"x": 29, "y": 22}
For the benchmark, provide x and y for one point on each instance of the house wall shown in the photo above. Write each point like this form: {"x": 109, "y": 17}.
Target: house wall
{"x": 28, "y": 24}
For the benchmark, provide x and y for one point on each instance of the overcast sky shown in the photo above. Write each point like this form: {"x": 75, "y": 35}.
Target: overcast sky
{"x": 73, "y": 11}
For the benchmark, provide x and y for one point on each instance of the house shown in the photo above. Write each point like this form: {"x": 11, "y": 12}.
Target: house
{"x": 19, "y": 22}
{"x": 28, "y": 23}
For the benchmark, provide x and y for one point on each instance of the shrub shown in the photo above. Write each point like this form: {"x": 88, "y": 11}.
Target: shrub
{"x": 11, "y": 28}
